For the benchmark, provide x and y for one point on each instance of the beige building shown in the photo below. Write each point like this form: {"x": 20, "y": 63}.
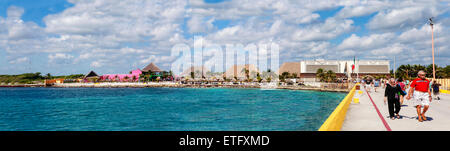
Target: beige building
{"x": 291, "y": 68}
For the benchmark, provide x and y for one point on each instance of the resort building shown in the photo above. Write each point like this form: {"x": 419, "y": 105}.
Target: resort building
{"x": 343, "y": 68}
{"x": 132, "y": 77}
{"x": 91, "y": 77}
{"x": 153, "y": 68}
{"x": 293, "y": 68}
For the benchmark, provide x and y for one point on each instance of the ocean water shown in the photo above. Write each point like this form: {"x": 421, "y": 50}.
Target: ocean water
{"x": 163, "y": 109}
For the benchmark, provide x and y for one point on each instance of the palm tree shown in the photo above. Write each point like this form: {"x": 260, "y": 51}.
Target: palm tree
{"x": 269, "y": 79}
{"x": 429, "y": 70}
{"x": 192, "y": 75}
{"x": 49, "y": 76}
{"x": 417, "y": 68}
{"x": 116, "y": 78}
{"x": 133, "y": 78}
{"x": 320, "y": 74}
{"x": 404, "y": 71}
{"x": 283, "y": 76}
{"x": 258, "y": 77}
{"x": 330, "y": 76}
{"x": 294, "y": 75}
{"x": 446, "y": 71}
{"x": 268, "y": 73}
{"x": 247, "y": 73}
{"x": 224, "y": 77}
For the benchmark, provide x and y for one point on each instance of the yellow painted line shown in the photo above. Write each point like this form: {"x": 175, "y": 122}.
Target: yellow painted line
{"x": 337, "y": 117}
{"x": 444, "y": 91}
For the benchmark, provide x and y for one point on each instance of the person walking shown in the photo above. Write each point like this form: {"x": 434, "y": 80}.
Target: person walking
{"x": 407, "y": 84}
{"x": 376, "y": 84}
{"x": 435, "y": 87}
{"x": 369, "y": 85}
{"x": 403, "y": 87}
{"x": 419, "y": 88}
{"x": 391, "y": 95}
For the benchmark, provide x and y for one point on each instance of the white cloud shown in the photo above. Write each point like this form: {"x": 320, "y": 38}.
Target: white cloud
{"x": 17, "y": 28}
{"x": 389, "y": 50}
{"x": 19, "y": 60}
{"x": 365, "y": 43}
{"x": 55, "y": 56}
{"x": 14, "y": 12}
{"x": 330, "y": 29}
{"x": 97, "y": 64}
{"x": 402, "y": 17}
{"x": 104, "y": 33}
{"x": 361, "y": 10}
{"x": 198, "y": 24}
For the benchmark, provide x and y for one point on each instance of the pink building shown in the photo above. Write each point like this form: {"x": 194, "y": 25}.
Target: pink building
{"x": 134, "y": 76}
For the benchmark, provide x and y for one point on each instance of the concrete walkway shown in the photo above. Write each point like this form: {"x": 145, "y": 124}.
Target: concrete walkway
{"x": 364, "y": 117}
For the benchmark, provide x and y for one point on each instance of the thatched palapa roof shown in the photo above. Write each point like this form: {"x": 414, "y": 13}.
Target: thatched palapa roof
{"x": 291, "y": 67}
{"x": 91, "y": 74}
{"x": 151, "y": 67}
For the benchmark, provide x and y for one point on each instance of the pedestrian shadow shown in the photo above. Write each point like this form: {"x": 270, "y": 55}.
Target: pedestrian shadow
{"x": 428, "y": 118}
{"x": 413, "y": 117}
{"x": 401, "y": 117}
{"x": 406, "y": 117}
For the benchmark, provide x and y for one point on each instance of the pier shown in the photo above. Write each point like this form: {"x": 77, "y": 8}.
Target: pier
{"x": 371, "y": 114}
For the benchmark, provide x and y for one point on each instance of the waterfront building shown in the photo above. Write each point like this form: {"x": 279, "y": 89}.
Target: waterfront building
{"x": 343, "y": 68}
{"x": 91, "y": 77}
{"x": 293, "y": 68}
{"x": 152, "y": 68}
{"x": 132, "y": 77}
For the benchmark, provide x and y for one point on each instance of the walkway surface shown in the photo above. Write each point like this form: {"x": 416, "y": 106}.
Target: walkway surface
{"x": 364, "y": 116}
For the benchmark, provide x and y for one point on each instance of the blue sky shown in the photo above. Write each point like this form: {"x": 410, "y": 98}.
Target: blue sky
{"x": 61, "y": 37}
{"x": 35, "y": 10}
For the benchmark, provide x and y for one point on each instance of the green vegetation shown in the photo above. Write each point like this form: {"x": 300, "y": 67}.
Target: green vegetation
{"x": 32, "y": 78}
{"x": 287, "y": 75}
{"x": 326, "y": 76}
{"x": 410, "y": 71}
{"x": 247, "y": 74}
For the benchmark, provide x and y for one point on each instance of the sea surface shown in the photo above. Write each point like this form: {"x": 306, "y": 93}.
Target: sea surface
{"x": 164, "y": 109}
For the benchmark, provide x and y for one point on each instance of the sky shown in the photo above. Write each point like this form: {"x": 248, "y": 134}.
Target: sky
{"x": 116, "y": 36}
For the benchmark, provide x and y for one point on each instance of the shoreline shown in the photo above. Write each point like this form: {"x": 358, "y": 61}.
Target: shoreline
{"x": 175, "y": 85}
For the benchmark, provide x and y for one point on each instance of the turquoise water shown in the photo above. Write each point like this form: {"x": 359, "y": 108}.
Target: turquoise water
{"x": 163, "y": 109}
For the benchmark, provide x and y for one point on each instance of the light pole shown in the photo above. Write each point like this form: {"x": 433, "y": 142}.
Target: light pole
{"x": 394, "y": 67}
{"x": 432, "y": 47}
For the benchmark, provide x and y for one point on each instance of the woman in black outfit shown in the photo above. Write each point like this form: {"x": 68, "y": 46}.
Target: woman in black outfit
{"x": 392, "y": 95}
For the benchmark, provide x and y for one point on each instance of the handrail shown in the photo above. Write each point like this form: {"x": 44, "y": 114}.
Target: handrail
{"x": 337, "y": 117}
